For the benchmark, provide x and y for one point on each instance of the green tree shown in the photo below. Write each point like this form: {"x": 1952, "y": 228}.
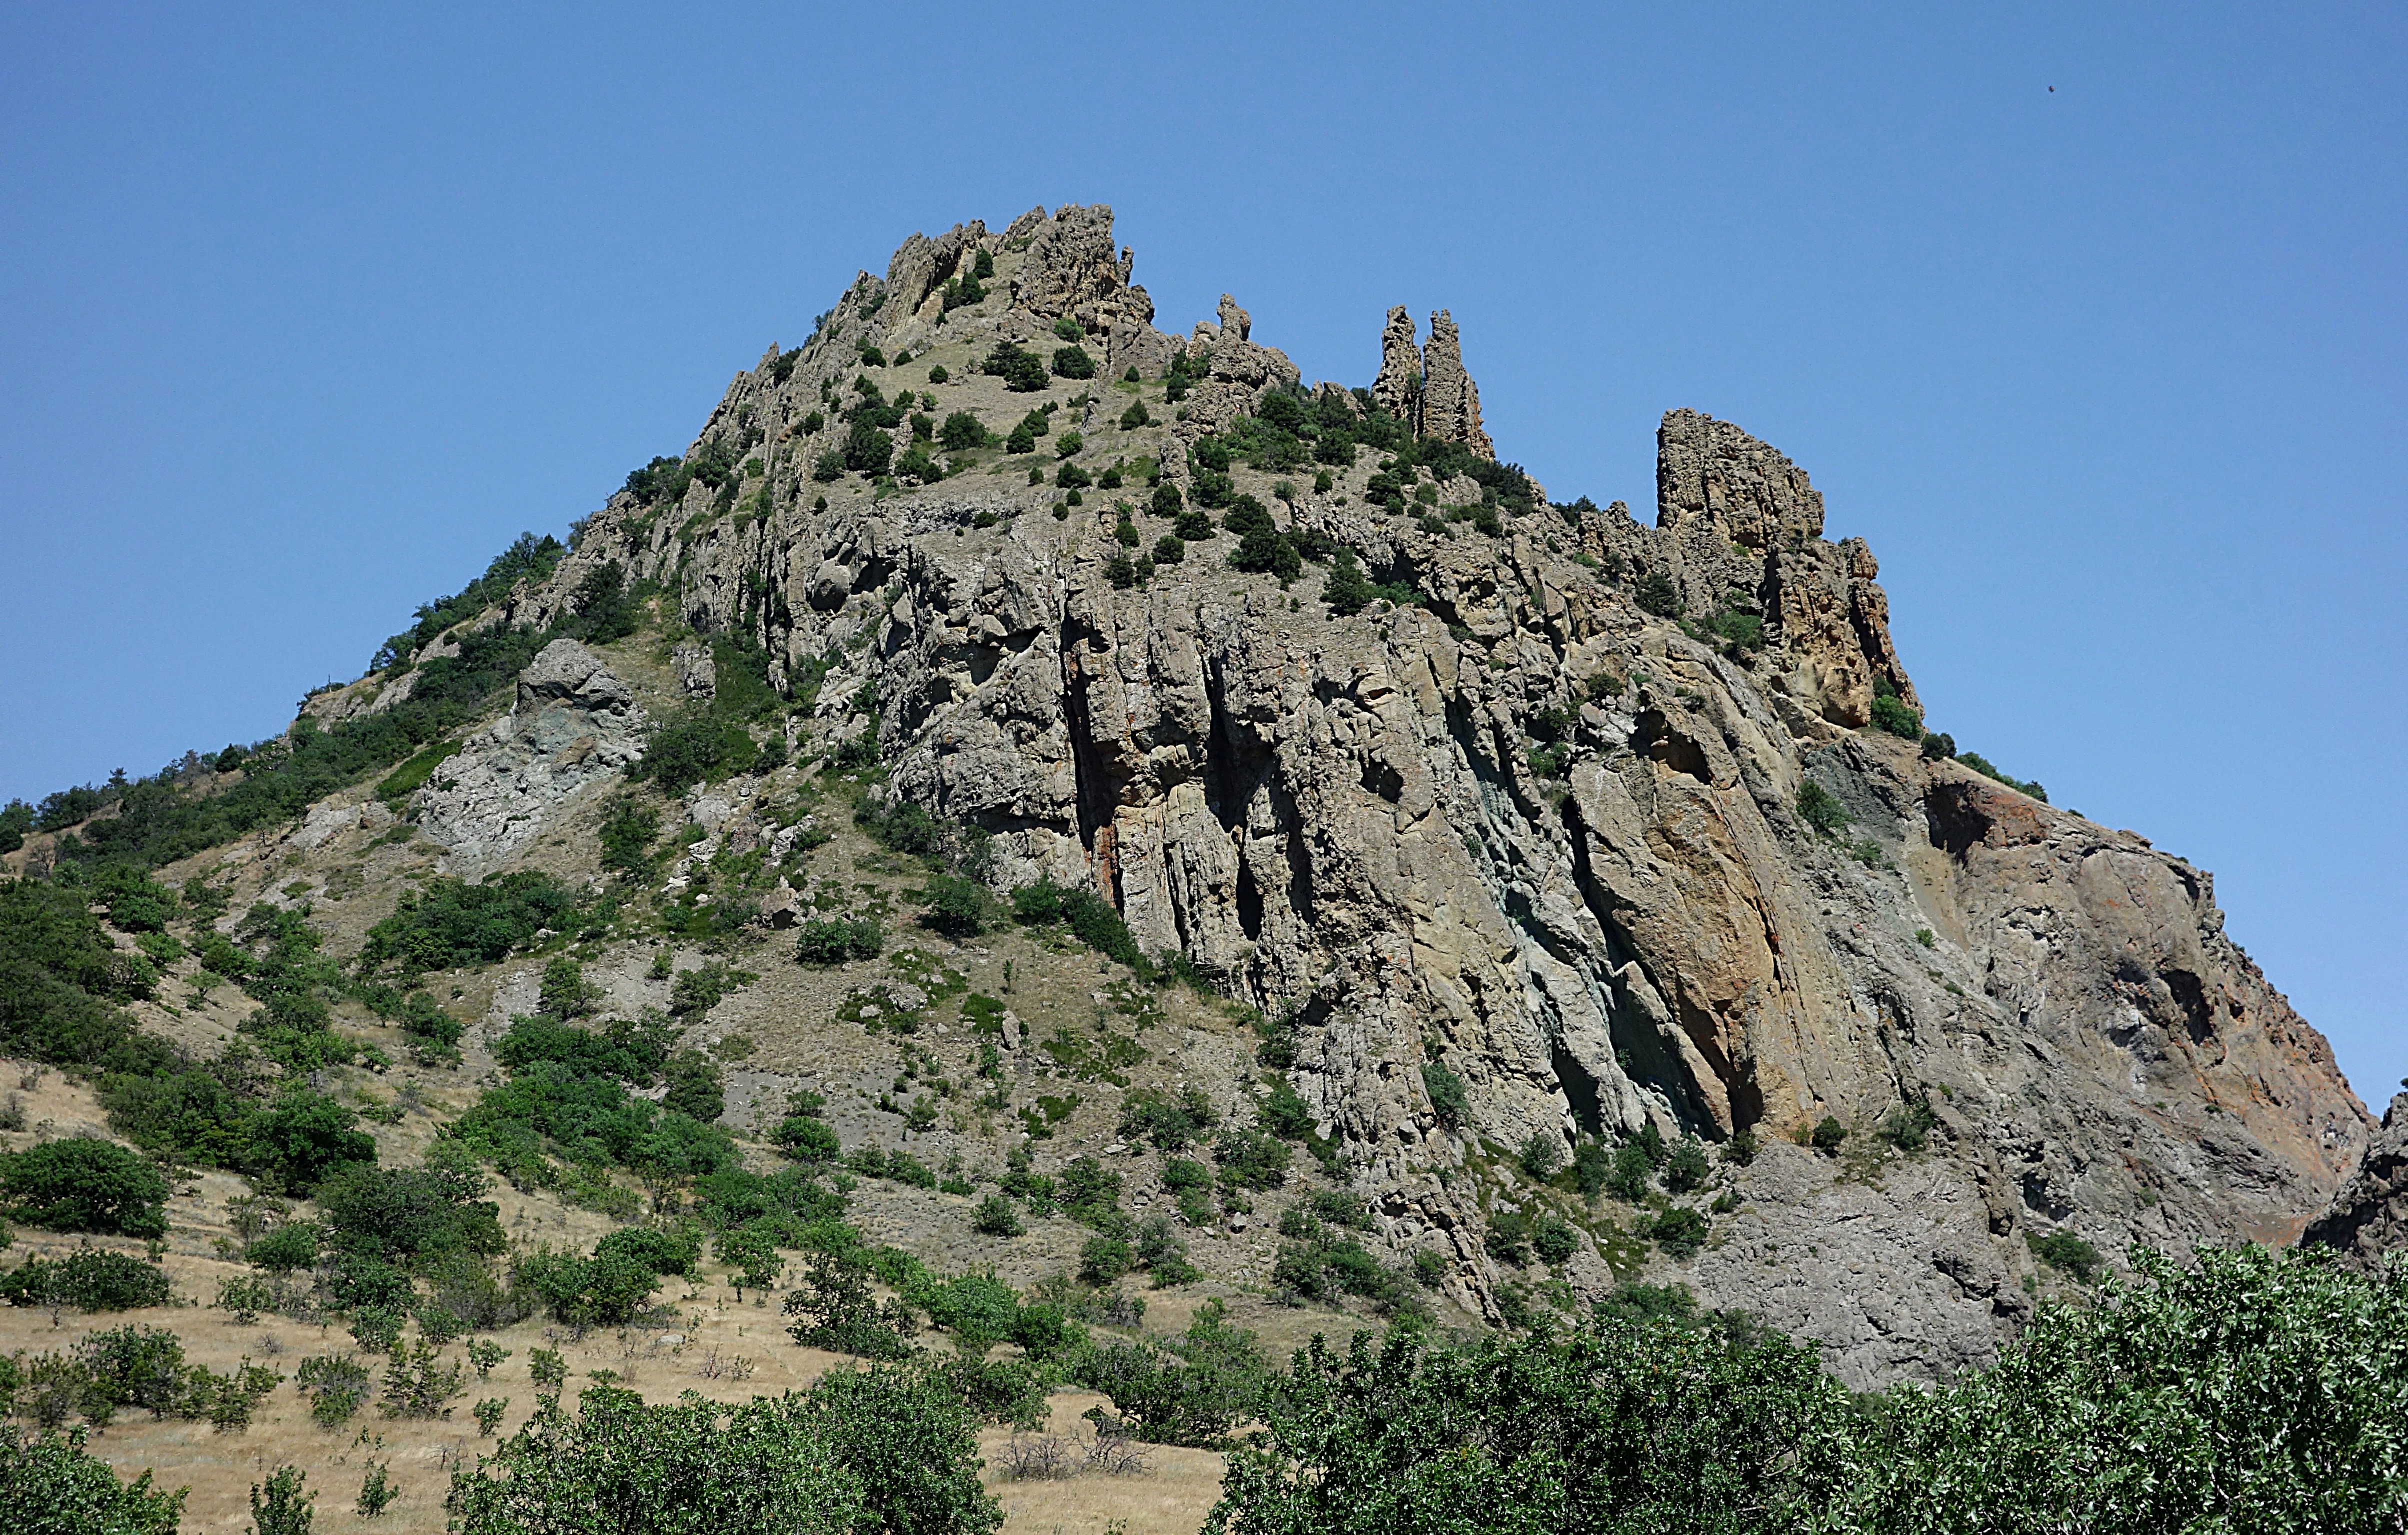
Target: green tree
{"x": 563, "y": 992}
{"x": 867, "y": 449}
{"x": 911, "y": 1443}
{"x": 1191, "y": 1388}
{"x": 84, "y": 1183}
{"x": 1611, "y": 1428}
{"x": 2244, "y": 1390}
{"x": 961, "y": 433}
{"x": 281, "y": 1508}
{"x": 48, "y": 1486}
{"x": 685, "y": 1468}
{"x": 1346, "y": 589}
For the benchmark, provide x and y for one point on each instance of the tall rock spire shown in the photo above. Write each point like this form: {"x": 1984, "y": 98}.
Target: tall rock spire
{"x": 1449, "y": 400}
{"x": 1398, "y": 389}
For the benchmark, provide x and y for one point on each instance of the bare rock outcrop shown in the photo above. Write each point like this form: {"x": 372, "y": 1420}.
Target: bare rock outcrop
{"x": 1539, "y": 828}
{"x": 1449, "y": 400}
{"x": 1397, "y": 389}
{"x": 571, "y": 725}
{"x": 2369, "y": 1217}
{"x": 1072, "y": 272}
{"x": 920, "y": 266}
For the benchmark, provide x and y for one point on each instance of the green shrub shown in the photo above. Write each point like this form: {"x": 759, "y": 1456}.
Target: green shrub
{"x": 1089, "y": 917}
{"x": 1627, "y": 1176}
{"x": 961, "y": 433}
{"x": 996, "y": 1217}
{"x": 1252, "y": 1160}
{"x": 770, "y": 1466}
{"x": 1821, "y": 808}
{"x": 2068, "y": 1252}
{"x": 805, "y": 1139}
{"x": 336, "y": 1386}
{"x": 1073, "y": 363}
{"x": 1190, "y": 1388}
{"x": 1828, "y": 1134}
{"x": 833, "y": 940}
{"x": 1020, "y": 370}
{"x": 1983, "y": 765}
{"x": 836, "y": 1310}
{"x": 868, "y": 450}
{"x": 2241, "y": 1390}
{"x": 1170, "y": 550}
{"x": 1542, "y": 1155}
{"x": 451, "y": 925}
{"x": 84, "y": 1184}
{"x": 1679, "y": 1231}
{"x": 1553, "y": 1240}
{"x": 1592, "y": 1165}
{"x": 1909, "y": 1125}
{"x": 1671, "y": 1431}
{"x": 1448, "y": 1095}
{"x": 1686, "y": 1169}
{"x": 1193, "y": 527}
{"x": 1267, "y": 551}
{"x": 1893, "y": 713}
{"x": 662, "y": 1252}
{"x": 937, "y": 373}
{"x": 1172, "y": 1121}
{"x": 609, "y": 1289}
{"x": 699, "y": 990}
{"x": 87, "y": 1280}
{"x": 1135, "y": 417}
{"x": 1346, "y": 589}
{"x": 1657, "y": 594}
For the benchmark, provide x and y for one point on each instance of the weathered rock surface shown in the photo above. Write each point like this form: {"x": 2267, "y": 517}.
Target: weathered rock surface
{"x": 2369, "y": 1218}
{"x": 572, "y": 724}
{"x": 1398, "y": 387}
{"x": 1344, "y": 821}
{"x": 1449, "y": 400}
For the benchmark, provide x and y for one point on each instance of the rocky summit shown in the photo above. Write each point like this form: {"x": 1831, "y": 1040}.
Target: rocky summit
{"x": 1587, "y": 896}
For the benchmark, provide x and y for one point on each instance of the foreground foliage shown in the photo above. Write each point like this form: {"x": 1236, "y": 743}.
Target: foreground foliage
{"x": 2246, "y": 1391}
{"x": 877, "y": 1451}
{"x": 50, "y": 1486}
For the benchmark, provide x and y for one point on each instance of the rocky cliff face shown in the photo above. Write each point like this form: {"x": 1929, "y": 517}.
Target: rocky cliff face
{"x": 2369, "y": 1217}
{"x": 1343, "y": 819}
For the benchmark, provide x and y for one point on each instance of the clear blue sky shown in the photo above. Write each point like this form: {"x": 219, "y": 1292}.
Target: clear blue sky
{"x": 308, "y": 311}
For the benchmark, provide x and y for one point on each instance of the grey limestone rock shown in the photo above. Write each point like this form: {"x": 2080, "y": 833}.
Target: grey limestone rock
{"x": 571, "y": 725}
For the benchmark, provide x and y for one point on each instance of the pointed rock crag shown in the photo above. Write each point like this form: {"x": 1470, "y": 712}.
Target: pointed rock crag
{"x": 1449, "y": 400}
{"x": 1398, "y": 389}
{"x": 1072, "y": 273}
{"x": 1531, "y": 856}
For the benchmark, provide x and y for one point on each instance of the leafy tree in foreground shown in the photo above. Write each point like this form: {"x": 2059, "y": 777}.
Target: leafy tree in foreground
{"x": 50, "y": 1486}
{"x": 2249, "y": 1390}
{"x": 1618, "y": 1429}
{"x": 622, "y": 1466}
